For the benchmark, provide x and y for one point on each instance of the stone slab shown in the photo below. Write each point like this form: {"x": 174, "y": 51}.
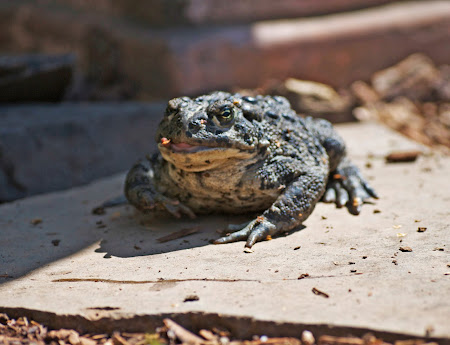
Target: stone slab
{"x": 47, "y": 147}
{"x": 70, "y": 264}
{"x": 334, "y": 49}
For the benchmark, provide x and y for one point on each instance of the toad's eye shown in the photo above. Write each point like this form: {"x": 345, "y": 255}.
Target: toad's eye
{"x": 226, "y": 115}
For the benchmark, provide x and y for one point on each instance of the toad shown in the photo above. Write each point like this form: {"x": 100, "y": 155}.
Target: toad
{"x": 225, "y": 153}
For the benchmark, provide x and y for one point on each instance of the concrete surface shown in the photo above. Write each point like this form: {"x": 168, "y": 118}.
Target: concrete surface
{"x": 69, "y": 264}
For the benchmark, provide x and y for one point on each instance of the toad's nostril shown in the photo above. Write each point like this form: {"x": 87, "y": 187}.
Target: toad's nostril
{"x": 194, "y": 126}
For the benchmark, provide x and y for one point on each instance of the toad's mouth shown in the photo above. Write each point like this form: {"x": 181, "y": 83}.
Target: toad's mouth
{"x": 191, "y": 157}
{"x": 188, "y": 148}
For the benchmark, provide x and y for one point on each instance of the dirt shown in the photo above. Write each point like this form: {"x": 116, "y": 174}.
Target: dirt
{"x": 29, "y": 332}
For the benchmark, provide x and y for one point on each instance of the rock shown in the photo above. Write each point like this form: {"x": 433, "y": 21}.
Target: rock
{"x": 51, "y": 147}
{"x": 35, "y": 78}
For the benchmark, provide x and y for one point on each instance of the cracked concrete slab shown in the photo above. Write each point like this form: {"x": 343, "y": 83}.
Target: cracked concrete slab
{"x": 57, "y": 257}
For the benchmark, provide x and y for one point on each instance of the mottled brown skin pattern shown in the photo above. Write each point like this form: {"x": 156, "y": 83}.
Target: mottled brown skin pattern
{"x": 224, "y": 153}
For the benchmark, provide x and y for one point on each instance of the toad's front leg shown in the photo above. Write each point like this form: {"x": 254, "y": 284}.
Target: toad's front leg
{"x": 288, "y": 211}
{"x": 141, "y": 192}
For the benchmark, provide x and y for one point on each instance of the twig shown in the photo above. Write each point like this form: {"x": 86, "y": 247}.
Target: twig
{"x": 183, "y": 334}
{"x": 178, "y": 234}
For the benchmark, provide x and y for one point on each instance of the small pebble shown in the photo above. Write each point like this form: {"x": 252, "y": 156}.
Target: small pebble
{"x": 224, "y": 340}
{"x": 308, "y": 338}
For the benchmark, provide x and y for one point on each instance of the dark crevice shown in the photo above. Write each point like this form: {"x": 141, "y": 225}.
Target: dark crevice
{"x": 8, "y": 170}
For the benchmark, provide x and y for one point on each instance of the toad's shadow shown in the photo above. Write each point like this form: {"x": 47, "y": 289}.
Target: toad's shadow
{"x": 128, "y": 234}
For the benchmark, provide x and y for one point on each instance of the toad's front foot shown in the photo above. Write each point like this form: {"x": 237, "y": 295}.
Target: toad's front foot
{"x": 257, "y": 230}
{"x": 347, "y": 187}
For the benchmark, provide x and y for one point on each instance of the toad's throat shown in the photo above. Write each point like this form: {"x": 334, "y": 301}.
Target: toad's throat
{"x": 200, "y": 158}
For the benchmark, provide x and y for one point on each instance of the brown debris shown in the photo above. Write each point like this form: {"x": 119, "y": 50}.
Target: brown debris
{"x": 119, "y": 340}
{"x": 410, "y": 342}
{"x": 312, "y": 97}
{"x": 269, "y": 341}
{"x": 178, "y": 234}
{"x": 330, "y": 340}
{"x": 87, "y": 341}
{"x": 191, "y": 298}
{"x": 411, "y": 97}
{"x": 100, "y": 224}
{"x": 68, "y": 335}
{"x": 100, "y": 210}
{"x": 36, "y": 221}
{"x": 319, "y": 293}
{"x": 413, "y": 77}
{"x": 208, "y": 335}
{"x": 4, "y": 318}
{"x": 421, "y": 229}
{"x": 222, "y": 332}
{"x": 364, "y": 92}
{"x": 402, "y": 156}
{"x": 405, "y": 249}
{"x": 29, "y": 332}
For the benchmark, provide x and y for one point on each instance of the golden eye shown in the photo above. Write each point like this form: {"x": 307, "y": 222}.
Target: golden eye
{"x": 226, "y": 115}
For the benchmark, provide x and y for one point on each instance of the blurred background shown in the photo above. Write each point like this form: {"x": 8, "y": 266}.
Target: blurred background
{"x": 84, "y": 83}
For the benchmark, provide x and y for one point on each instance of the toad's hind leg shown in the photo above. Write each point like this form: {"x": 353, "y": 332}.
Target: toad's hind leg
{"x": 289, "y": 210}
{"x": 347, "y": 186}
